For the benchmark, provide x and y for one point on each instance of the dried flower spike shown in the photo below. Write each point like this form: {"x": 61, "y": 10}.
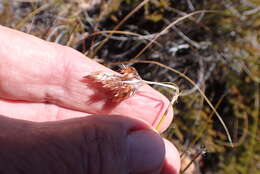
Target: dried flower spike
{"x": 124, "y": 85}
{"x": 119, "y": 86}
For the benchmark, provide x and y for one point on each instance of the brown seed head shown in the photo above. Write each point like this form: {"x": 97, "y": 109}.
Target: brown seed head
{"x": 119, "y": 87}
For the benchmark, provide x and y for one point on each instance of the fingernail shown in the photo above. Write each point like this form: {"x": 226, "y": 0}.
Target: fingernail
{"x": 146, "y": 151}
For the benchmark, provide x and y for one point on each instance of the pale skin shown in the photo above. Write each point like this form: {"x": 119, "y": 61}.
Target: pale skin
{"x": 42, "y": 82}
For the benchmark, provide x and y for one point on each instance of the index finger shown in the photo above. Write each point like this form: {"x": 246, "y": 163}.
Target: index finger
{"x": 38, "y": 71}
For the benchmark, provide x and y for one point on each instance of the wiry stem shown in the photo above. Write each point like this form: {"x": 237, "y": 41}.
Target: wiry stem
{"x": 176, "y": 89}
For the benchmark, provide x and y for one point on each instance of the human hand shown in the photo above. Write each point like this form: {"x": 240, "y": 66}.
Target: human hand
{"x": 42, "y": 82}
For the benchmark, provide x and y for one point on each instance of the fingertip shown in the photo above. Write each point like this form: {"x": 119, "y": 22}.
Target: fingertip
{"x": 146, "y": 151}
{"x": 172, "y": 161}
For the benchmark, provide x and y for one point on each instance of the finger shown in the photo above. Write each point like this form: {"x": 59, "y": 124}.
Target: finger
{"x": 88, "y": 145}
{"x": 37, "y": 71}
{"x": 38, "y": 112}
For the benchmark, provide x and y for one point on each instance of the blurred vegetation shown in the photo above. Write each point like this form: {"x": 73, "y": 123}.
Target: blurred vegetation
{"x": 219, "y": 51}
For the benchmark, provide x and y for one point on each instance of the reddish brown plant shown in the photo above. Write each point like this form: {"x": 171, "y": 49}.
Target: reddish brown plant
{"x": 119, "y": 86}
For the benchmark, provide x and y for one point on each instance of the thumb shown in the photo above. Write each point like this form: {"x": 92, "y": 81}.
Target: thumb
{"x": 89, "y": 145}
